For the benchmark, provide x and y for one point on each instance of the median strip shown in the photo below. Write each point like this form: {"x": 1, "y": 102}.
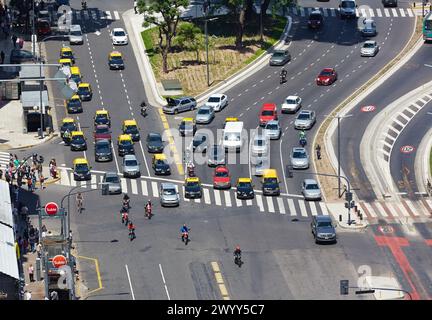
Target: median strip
{"x": 219, "y": 280}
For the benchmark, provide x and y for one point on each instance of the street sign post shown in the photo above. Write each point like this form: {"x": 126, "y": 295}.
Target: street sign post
{"x": 59, "y": 261}
{"x": 51, "y": 208}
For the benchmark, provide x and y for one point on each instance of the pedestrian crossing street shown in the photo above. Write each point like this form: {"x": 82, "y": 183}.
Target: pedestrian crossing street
{"x": 149, "y": 187}
{"x": 400, "y": 209}
{"x": 95, "y": 14}
{"x": 361, "y": 12}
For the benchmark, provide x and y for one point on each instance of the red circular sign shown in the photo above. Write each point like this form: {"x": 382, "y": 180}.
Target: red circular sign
{"x": 367, "y": 108}
{"x": 59, "y": 261}
{"x": 51, "y": 208}
{"x": 407, "y": 149}
{"x": 386, "y": 229}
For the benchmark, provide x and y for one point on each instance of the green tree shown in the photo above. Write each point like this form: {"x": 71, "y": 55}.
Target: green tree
{"x": 238, "y": 7}
{"x": 167, "y": 24}
{"x": 189, "y": 36}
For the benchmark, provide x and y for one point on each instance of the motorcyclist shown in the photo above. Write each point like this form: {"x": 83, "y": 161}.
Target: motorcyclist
{"x": 302, "y": 134}
{"x": 125, "y": 217}
{"x": 131, "y": 228}
{"x": 283, "y": 74}
{"x": 143, "y": 106}
{"x": 126, "y": 201}
{"x": 184, "y": 230}
{"x": 84, "y": 4}
{"x": 191, "y": 168}
{"x": 148, "y": 207}
{"x": 237, "y": 252}
{"x": 67, "y": 136}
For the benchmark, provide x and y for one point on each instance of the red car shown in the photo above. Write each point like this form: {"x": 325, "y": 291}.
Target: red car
{"x": 102, "y": 131}
{"x": 326, "y": 77}
{"x": 221, "y": 177}
{"x": 268, "y": 112}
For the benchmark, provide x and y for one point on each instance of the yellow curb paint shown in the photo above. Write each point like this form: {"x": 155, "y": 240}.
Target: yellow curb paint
{"x": 219, "y": 278}
{"x": 215, "y": 266}
{"x": 226, "y": 298}
{"x": 172, "y": 146}
{"x": 96, "y": 262}
{"x": 223, "y": 290}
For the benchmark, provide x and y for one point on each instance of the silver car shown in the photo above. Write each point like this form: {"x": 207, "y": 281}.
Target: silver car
{"x": 305, "y": 120}
{"x": 130, "y": 166}
{"x": 299, "y": 158}
{"x": 260, "y": 145}
{"x": 205, "y": 114}
{"x": 272, "y": 130}
{"x": 291, "y": 105}
{"x": 369, "y": 28}
{"x": 216, "y": 155}
{"x": 280, "y": 57}
{"x": 176, "y": 105}
{"x": 369, "y": 49}
{"x": 218, "y": 101}
{"x": 259, "y": 164}
{"x": 311, "y": 190}
{"x": 113, "y": 182}
{"x": 169, "y": 195}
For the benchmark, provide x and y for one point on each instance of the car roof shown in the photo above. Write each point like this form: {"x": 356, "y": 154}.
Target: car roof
{"x": 268, "y": 106}
{"x": 205, "y": 107}
{"x": 272, "y": 122}
{"x": 130, "y": 123}
{"x": 75, "y": 97}
{"x": 68, "y": 120}
{"x": 316, "y": 11}
{"x": 103, "y": 111}
{"x": 102, "y": 126}
{"x": 75, "y": 69}
{"x": 80, "y": 161}
{"x": 305, "y": 111}
{"x": 323, "y": 218}
{"x": 105, "y": 141}
{"x": 298, "y": 149}
{"x": 77, "y": 133}
{"x": 111, "y": 174}
{"x": 129, "y": 157}
{"x": 124, "y": 137}
{"x": 194, "y": 179}
{"x": 245, "y": 180}
{"x": 292, "y": 97}
{"x": 216, "y": 95}
{"x": 159, "y": 156}
{"x": 154, "y": 134}
{"x": 327, "y": 69}
{"x": 221, "y": 168}
{"x": 370, "y": 41}
{"x": 115, "y": 53}
{"x": 63, "y": 49}
{"x": 310, "y": 181}
{"x": 188, "y": 120}
{"x": 84, "y": 85}
{"x": 118, "y": 29}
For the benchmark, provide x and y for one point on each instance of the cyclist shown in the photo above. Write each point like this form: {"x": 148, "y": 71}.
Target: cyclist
{"x": 79, "y": 201}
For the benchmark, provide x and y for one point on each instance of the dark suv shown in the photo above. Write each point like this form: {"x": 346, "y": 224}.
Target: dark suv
{"x": 316, "y": 20}
{"x": 323, "y": 229}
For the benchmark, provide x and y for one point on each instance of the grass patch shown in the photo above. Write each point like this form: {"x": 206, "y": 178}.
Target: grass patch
{"x": 224, "y": 58}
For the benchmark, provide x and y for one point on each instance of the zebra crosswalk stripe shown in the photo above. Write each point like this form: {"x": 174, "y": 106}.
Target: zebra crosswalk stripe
{"x": 325, "y": 13}
{"x": 155, "y": 190}
{"x": 392, "y": 209}
{"x": 134, "y": 186}
{"x": 429, "y": 202}
{"x": 302, "y": 12}
{"x": 371, "y": 13}
{"x": 370, "y": 209}
{"x": 295, "y": 11}
{"x": 259, "y": 202}
{"x": 410, "y": 13}
{"x": 227, "y": 198}
{"x": 206, "y": 196}
{"x": 123, "y": 184}
{"x": 239, "y": 203}
{"x": 302, "y": 206}
{"x": 102, "y": 15}
{"x": 72, "y": 180}
{"x": 198, "y": 200}
{"x": 309, "y": 10}
{"x": 395, "y": 14}
{"x": 333, "y": 12}
{"x": 116, "y": 15}
{"x": 217, "y": 198}
{"x": 86, "y": 14}
{"x": 78, "y": 15}
{"x": 64, "y": 178}
{"x": 386, "y": 12}
{"x": 380, "y": 209}
{"x": 313, "y": 208}
{"x": 93, "y": 181}
{"x": 248, "y": 202}
{"x": 270, "y": 204}
{"x": 357, "y": 13}
{"x": 108, "y": 15}
{"x": 144, "y": 188}
{"x": 83, "y": 184}
{"x": 291, "y": 207}
{"x": 402, "y": 12}
{"x": 323, "y": 208}
{"x": 402, "y": 209}
{"x": 363, "y": 13}
{"x": 412, "y": 208}
{"x": 281, "y": 205}
{"x": 379, "y": 14}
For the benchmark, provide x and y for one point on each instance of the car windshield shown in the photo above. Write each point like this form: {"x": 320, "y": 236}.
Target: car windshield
{"x": 81, "y": 168}
{"x": 326, "y": 73}
{"x": 102, "y": 130}
{"x": 82, "y": 90}
{"x": 192, "y": 184}
{"x": 131, "y": 163}
{"x": 67, "y": 54}
{"x": 155, "y": 138}
{"x": 299, "y": 154}
{"x": 216, "y": 152}
{"x": 173, "y": 102}
{"x": 272, "y": 126}
{"x": 291, "y": 101}
{"x": 428, "y": 25}
{"x": 131, "y": 129}
{"x": 267, "y": 113}
{"x": 221, "y": 174}
{"x": 69, "y": 126}
{"x": 214, "y": 99}
{"x": 303, "y": 116}
{"x": 126, "y": 142}
{"x": 369, "y": 45}
{"x": 75, "y": 77}
{"x": 232, "y": 137}
{"x": 271, "y": 180}
{"x": 112, "y": 179}
{"x": 348, "y": 4}
{"x": 315, "y": 17}
{"x": 204, "y": 111}
{"x": 74, "y": 102}
{"x": 119, "y": 34}
{"x": 160, "y": 162}
{"x": 312, "y": 186}
{"x": 278, "y": 54}
{"x": 324, "y": 224}
{"x": 75, "y": 33}
{"x": 103, "y": 148}
{"x": 169, "y": 192}
{"x": 244, "y": 185}
{"x": 78, "y": 139}
{"x": 116, "y": 59}
{"x": 198, "y": 140}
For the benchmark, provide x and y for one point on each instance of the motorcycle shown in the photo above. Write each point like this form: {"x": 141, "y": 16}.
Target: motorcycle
{"x": 132, "y": 235}
{"x": 125, "y": 218}
{"x": 302, "y": 142}
{"x": 282, "y": 78}
{"x": 185, "y": 237}
{"x": 237, "y": 260}
{"x": 143, "y": 111}
{"x": 66, "y": 140}
{"x": 148, "y": 212}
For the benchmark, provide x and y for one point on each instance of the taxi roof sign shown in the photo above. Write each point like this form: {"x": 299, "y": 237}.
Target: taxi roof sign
{"x": 115, "y": 53}
{"x": 194, "y": 179}
{"x": 77, "y": 133}
{"x": 103, "y": 111}
{"x": 68, "y": 120}
{"x": 124, "y": 137}
{"x": 270, "y": 173}
{"x": 129, "y": 123}
{"x": 159, "y": 156}
{"x": 84, "y": 85}
{"x": 231, "y": 119}
{"x": 80, "y": 161}
{"x": 246, "y": 180}
{"x": 188, "y": 120}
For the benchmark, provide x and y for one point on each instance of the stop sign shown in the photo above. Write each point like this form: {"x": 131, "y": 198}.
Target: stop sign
{"x": 59, "y": 261}
{"x": 51, "y": 208}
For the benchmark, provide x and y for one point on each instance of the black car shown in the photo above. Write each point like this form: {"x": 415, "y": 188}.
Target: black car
{"x": 133, "y": 132}
{"x": 161, "y": 167}
{"x": 316, "y": 20}
{"x": 392, "y": 3}
{"x": 18, "y": 56}
{"x": 78, "y": 143}
{"x": 116, "y": 62}
{"x": 245, "y": 190}
{"x": 200, "y": 142}
{"x": 126, "y": 147}
{"x": 193, "y": 190}
{"x": 323, "y": 229}
{"x": 154, "y": 143}
{"x": 102, "y": 119}
{"x": 103, "y": 150}
{"x": 74, "y": 106}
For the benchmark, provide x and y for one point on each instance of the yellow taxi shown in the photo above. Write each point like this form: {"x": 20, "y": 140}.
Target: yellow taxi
{"x": 66, "y": 53}
{"x": 68, "y": 124}
{"x": 66, "y": 62}
{"x": 81, "y": 169}
{"x": 78, "y": 141}
{"x": 160, "y": 164}
{"x": 244, "y": 188}
{"x": 192, "y": 188}
{"x": 75, "y": 75}
{"x": 187, "y": 127}
{"x": 230, "y": 119}
{"x": 115, "y": 60}
{"x": 102, "y": 117}
{"x": 85, "y": 91}
{"x": 73, "y": 105}
{"x": 270, "y": 183}
{"x": 130, "y": 127}
{"x": 125, "y": 145}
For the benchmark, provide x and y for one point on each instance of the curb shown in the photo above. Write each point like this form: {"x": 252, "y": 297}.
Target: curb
{"x": 421, "y": 162}
{"x": 354, "y": 227}
{"x": 50, "y": 137}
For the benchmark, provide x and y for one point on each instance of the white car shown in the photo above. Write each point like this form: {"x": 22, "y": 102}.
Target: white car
{"x": 119, "y": 36}
{"x": 218, "y": 101}
{"x": 369, "y": 49}
{"x": 260, "y": 145}
{"x": 292, "y": 104}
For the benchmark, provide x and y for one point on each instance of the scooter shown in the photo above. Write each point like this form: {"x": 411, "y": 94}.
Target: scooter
{"x": 185, "y": 238}
{"x": 148, "y": 212}
{"x": 303, "y": 142}
{"x": 282, "y": 78}
{"x": 237, "y": 260}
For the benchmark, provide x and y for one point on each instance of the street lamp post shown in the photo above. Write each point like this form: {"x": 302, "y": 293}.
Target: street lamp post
{"x": 261, "y": 22}
{"x": 206, "y": 8}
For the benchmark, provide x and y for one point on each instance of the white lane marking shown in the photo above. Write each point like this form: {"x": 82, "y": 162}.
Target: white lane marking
{"x": 313, "y": 208}
{"x": 282, "y": 164}
{"x": 249, "y": 202}
{"x": 381, "y": 209}
{"x": 227, "y": 198}
{"x": 259, "y": 202}
{"x": 217, "y": 198}
{"x": 270, "y": 204}
{"x": 145, "y": 160}
{"x": 64, "y": 177}
{"x": 73, "y": 183}
{"x": 281, "y": 205}
{"x": 144, "y": 188}
{"x": 115, "y": 157}
{"x": 116, "y": 15}
{"x": 184, "y": 195}
{"x": 323, "y": 208}
{"x": 134, "y": 186}
{"x": 123, "y": 184}
{"x": 206, "y": 196}
{"x": 412, "y": 208}
{"x": 130, "y": 282}
{"x": 238, "y": 202}
{"x": 163, "y": 279}
{"x": 291, "y": 207}
{"x": 302, "y": 206}
{"x": 155, "y": 189}
{"x": 379, "y": 14}
{"x": 93, "y": 183}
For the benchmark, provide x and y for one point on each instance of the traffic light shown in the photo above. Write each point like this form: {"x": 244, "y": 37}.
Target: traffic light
{"x": 344, "y": 285}
{"x": 348, "y": 196}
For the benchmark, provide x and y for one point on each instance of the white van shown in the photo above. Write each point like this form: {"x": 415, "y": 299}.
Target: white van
{"x": 232, "y": 136}
{"x": 75, "y": 34}
{"x": 347, "y": 9}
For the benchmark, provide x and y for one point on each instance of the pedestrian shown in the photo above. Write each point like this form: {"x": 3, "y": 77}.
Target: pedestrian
{"x": 2, "y": 55}
{"x": 33, "y": 177}
{"x": 41, "y": 180}
{"x": 39, "y": 249}
{"x": 31, "y": 272}
{"x": 14, "y": 40}
{"x": 318, "y": 151}
{"x": 135, "y": 6}
{"x": 29, "y": 184}
{"x": 27, "y": 295}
